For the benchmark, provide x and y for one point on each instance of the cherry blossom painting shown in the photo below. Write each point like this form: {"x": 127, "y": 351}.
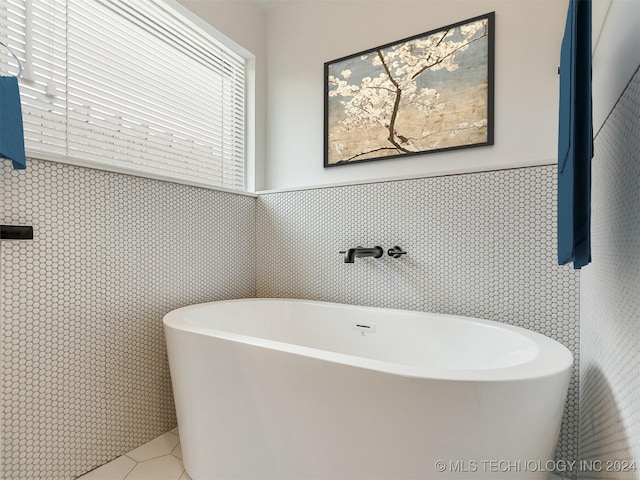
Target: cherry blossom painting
{"x": 428, "y": 93}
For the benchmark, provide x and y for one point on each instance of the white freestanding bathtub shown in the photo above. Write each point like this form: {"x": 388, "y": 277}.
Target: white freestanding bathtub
{"x": 291, "y": 389}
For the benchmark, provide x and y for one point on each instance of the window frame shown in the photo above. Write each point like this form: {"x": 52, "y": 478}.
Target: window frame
{"x": 249, "y": 121}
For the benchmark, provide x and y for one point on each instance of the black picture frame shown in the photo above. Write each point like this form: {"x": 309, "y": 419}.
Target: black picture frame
{"x": 431, "y": 92}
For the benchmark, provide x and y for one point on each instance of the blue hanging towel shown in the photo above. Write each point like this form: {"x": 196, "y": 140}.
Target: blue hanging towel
{"x": 575, "y": 138}
{"x": 11, "y": 131}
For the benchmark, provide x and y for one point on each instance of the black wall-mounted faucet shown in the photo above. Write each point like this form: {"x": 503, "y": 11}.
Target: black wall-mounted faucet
{"x": 352, "y": 253}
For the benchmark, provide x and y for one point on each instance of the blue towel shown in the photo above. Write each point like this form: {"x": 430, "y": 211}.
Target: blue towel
{"x": 575, "y": 138}
{"x": 11, "y": 131}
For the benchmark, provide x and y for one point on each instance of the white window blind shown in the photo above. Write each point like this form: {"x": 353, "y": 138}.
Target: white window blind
{"x": 131, "y": 86}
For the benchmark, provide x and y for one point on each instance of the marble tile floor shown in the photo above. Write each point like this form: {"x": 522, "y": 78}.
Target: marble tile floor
{"x": 159, "y": 459}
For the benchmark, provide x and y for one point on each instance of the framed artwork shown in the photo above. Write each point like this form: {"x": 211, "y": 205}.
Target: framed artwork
{"x": 428, "y": 93}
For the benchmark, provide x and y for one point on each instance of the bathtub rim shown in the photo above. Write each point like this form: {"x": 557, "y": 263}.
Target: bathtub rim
{"x": 552, "y": 359}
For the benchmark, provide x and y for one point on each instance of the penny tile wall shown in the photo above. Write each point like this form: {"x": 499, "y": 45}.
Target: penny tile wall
{"x": 481, "y": 244}
{"x": 84, "y": 365}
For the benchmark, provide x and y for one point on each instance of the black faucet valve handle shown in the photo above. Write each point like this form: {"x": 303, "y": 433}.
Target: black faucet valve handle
{"x": 396, "y": 252}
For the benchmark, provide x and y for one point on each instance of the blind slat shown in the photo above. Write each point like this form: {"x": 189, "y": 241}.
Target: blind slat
{"x": 136, "y": 86}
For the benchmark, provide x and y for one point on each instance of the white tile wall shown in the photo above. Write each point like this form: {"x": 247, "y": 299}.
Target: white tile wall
{"x": 83, "y": 351}
{"x": 83, "y": 357}
{"x": 610, "y": 298}
{"x": 479, "y": 244}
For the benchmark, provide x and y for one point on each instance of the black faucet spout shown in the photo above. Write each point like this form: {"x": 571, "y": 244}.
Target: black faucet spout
{"x": 352, "y": 253}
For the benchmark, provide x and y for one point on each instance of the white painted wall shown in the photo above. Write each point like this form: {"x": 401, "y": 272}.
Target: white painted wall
{"x": 301, "y": 36}
{"x": 616, "y": 52}
{"x": 297, "y": 37}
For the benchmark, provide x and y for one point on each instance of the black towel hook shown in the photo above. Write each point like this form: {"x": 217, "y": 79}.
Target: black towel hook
{"x": 14, "y": 56}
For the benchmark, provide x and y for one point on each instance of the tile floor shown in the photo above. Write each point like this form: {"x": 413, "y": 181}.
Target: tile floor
{"x": 159, "y": 459}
